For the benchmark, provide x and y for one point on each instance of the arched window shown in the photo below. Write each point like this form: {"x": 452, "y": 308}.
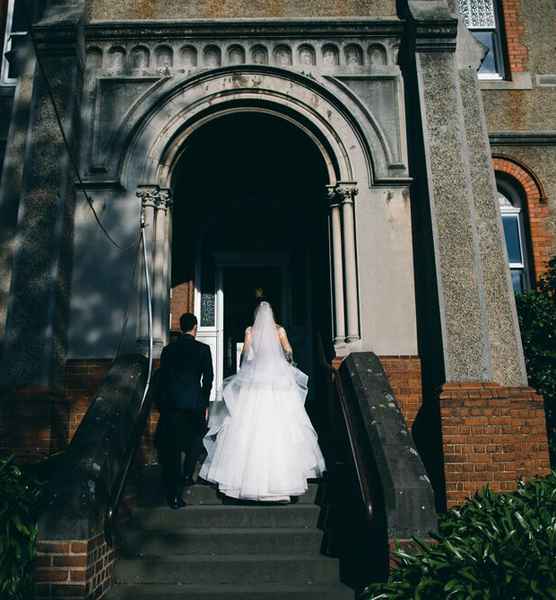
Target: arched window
{"x": 483, "y": 20}
{"x": 514, "y": 221}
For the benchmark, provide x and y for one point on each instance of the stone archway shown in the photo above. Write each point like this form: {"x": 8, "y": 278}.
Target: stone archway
{"x": 157, "y": 137}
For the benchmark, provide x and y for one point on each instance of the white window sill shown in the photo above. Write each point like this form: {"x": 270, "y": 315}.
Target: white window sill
{"x": 519, "y": 81}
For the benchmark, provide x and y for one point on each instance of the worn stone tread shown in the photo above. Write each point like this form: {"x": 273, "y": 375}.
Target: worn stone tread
{"x": 231, "y": 592}
{"x": 235, "y": 569}
{"x": 227, "y": 516}
{"x": 205, "y": 540}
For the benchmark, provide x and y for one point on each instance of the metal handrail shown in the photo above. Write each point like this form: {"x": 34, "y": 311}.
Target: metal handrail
{"x": 362, "y": 464}
{"x": 142, "y": 413}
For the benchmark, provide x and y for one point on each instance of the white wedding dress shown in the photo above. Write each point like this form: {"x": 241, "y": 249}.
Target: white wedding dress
{"x": 261, "y": 444}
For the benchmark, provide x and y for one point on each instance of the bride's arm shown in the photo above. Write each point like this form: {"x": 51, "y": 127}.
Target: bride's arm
{"x": 246, "y": 345}
{"x": 285, "y": 344}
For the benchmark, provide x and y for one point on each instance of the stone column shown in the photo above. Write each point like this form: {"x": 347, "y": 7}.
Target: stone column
{"x": 480, "y": 333}
{"x": 35, "y": 339}
{"x": 346, "y": 192}
{"x": 337, "y": 266}
{"x": 161, "y": 269}
{"x": 155, "y": 204}
{"x": 484, "y": 368}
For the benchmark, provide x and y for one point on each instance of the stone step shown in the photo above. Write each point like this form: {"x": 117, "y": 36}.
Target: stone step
{"x": 162, "y": 542}
{"x": 230, "y": 592}
{"x": 204, "y": 494}
{"x": 153, "y": 495}
{"x": 222, "y": 516}
{"x": 237, "y": 569}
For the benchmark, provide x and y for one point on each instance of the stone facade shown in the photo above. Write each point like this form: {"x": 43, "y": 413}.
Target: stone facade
{"x": 386, "y": 92}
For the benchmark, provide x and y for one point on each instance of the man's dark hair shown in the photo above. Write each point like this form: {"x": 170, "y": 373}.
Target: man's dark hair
{"x": 187, "y": 322}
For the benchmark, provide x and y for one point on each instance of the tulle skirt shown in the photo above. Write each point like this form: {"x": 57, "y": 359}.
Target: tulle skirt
{"x": 261, "y": 444}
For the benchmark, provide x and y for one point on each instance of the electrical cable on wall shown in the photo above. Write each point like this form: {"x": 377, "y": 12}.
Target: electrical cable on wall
{"x": 141, "y": 238}
{"x": 69, "y": 151}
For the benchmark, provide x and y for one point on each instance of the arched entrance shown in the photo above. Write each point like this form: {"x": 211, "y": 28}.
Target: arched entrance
{"x": 250, "y": 216}
{"x": 175, "y": 118}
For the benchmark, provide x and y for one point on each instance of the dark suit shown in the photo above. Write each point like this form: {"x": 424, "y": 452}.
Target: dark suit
{"x": 183, "y": 400}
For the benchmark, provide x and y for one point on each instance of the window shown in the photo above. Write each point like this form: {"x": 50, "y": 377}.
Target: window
{"x": 482, "y": 18}
{"x": 513, "y": 221}
{"x": 16, "y": 25}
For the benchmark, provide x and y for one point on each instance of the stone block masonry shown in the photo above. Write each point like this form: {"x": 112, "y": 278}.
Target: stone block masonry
{"x": 73, "y": 569}
{"x": 492, "y": 435}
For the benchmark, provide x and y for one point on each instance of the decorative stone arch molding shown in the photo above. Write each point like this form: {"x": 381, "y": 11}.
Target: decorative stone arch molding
{"x": 350, "y": 142}
{"x": 321, "y": 105}
{"x": 537, "y": 208}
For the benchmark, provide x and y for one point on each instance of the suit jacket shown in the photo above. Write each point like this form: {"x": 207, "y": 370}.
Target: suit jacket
{"x": 183, "y": 363}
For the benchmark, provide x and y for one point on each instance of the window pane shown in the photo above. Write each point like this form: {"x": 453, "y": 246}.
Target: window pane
{"x": 487, "y": 38}
{"x": 504, "y": 200}
{"x": 478, "y": 13}
{"x": 20, "y": 16}
{"x": 208, "y": 294}
{"x": 511, "y": 232}
{"x": 518, "y": 280}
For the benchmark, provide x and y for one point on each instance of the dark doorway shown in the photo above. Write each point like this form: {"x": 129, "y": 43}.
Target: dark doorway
{"x": 241, "y": 286}
{"x": 253, "y": 184}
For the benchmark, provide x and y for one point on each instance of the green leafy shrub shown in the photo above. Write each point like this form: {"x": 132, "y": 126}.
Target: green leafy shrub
{"x": 19, "y": 497}
{"x": 537, "y": 318}
{"x": 494, "y": 547}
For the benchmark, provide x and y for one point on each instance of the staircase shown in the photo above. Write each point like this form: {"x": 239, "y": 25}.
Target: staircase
{"x": 212, "y": 550}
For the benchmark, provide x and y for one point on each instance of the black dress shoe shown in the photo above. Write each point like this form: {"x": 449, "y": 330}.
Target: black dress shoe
{"x": 174, "y": 503}
{"x": 181, "y": 502}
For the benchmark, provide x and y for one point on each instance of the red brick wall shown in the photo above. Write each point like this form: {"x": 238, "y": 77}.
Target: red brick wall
{"x": 182, "y": 301}
{"x": 491, "y": 435}
{"x": 33, "y": 423}
{"x": 404, "y": 375}
{"x": 73, "y": 569}
{"x": 518, "y": 54}
{"x": 537, "y": 209}
{"x": 81, "y": 380}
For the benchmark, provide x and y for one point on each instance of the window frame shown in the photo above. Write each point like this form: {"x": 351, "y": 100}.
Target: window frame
{"x": 518, "y": 211}
{"x": 499, "y": 48}
{"x": 5, "y": 79}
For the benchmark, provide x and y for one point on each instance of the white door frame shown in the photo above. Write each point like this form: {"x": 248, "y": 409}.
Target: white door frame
{"x": 214, "y": 335}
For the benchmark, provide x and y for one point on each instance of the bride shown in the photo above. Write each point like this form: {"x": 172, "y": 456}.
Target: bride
{"x": 261, "y": 444}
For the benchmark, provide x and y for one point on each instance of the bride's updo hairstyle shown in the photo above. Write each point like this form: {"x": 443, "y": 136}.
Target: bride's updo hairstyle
{"x": 260, "y": 301}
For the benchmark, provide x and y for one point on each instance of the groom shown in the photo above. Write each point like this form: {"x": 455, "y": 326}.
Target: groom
{"x": 183, "y": 402}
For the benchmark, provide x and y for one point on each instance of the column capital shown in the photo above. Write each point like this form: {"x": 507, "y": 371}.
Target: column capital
{"x": 154, "y": 197}
{"x": 342, "y": 192}
{"x": 148, "y": 195}
{"x": 163, "y": 200}
{"x": 346, "y": 191}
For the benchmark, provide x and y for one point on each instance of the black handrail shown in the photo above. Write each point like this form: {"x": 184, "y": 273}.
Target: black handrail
{"x": 362, "y": 463}
{"x": 143, "y": 413}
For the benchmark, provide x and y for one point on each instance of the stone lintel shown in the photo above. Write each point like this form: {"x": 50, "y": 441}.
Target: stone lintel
{"x": 245, "y": 28}
{"x": 523, "y": 138}
{"x": 433, "y": 25}
{"x": 61, "y": 36}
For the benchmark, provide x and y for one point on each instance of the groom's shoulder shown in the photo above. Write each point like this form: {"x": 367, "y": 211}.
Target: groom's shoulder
{"x": 202, "y": 346}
